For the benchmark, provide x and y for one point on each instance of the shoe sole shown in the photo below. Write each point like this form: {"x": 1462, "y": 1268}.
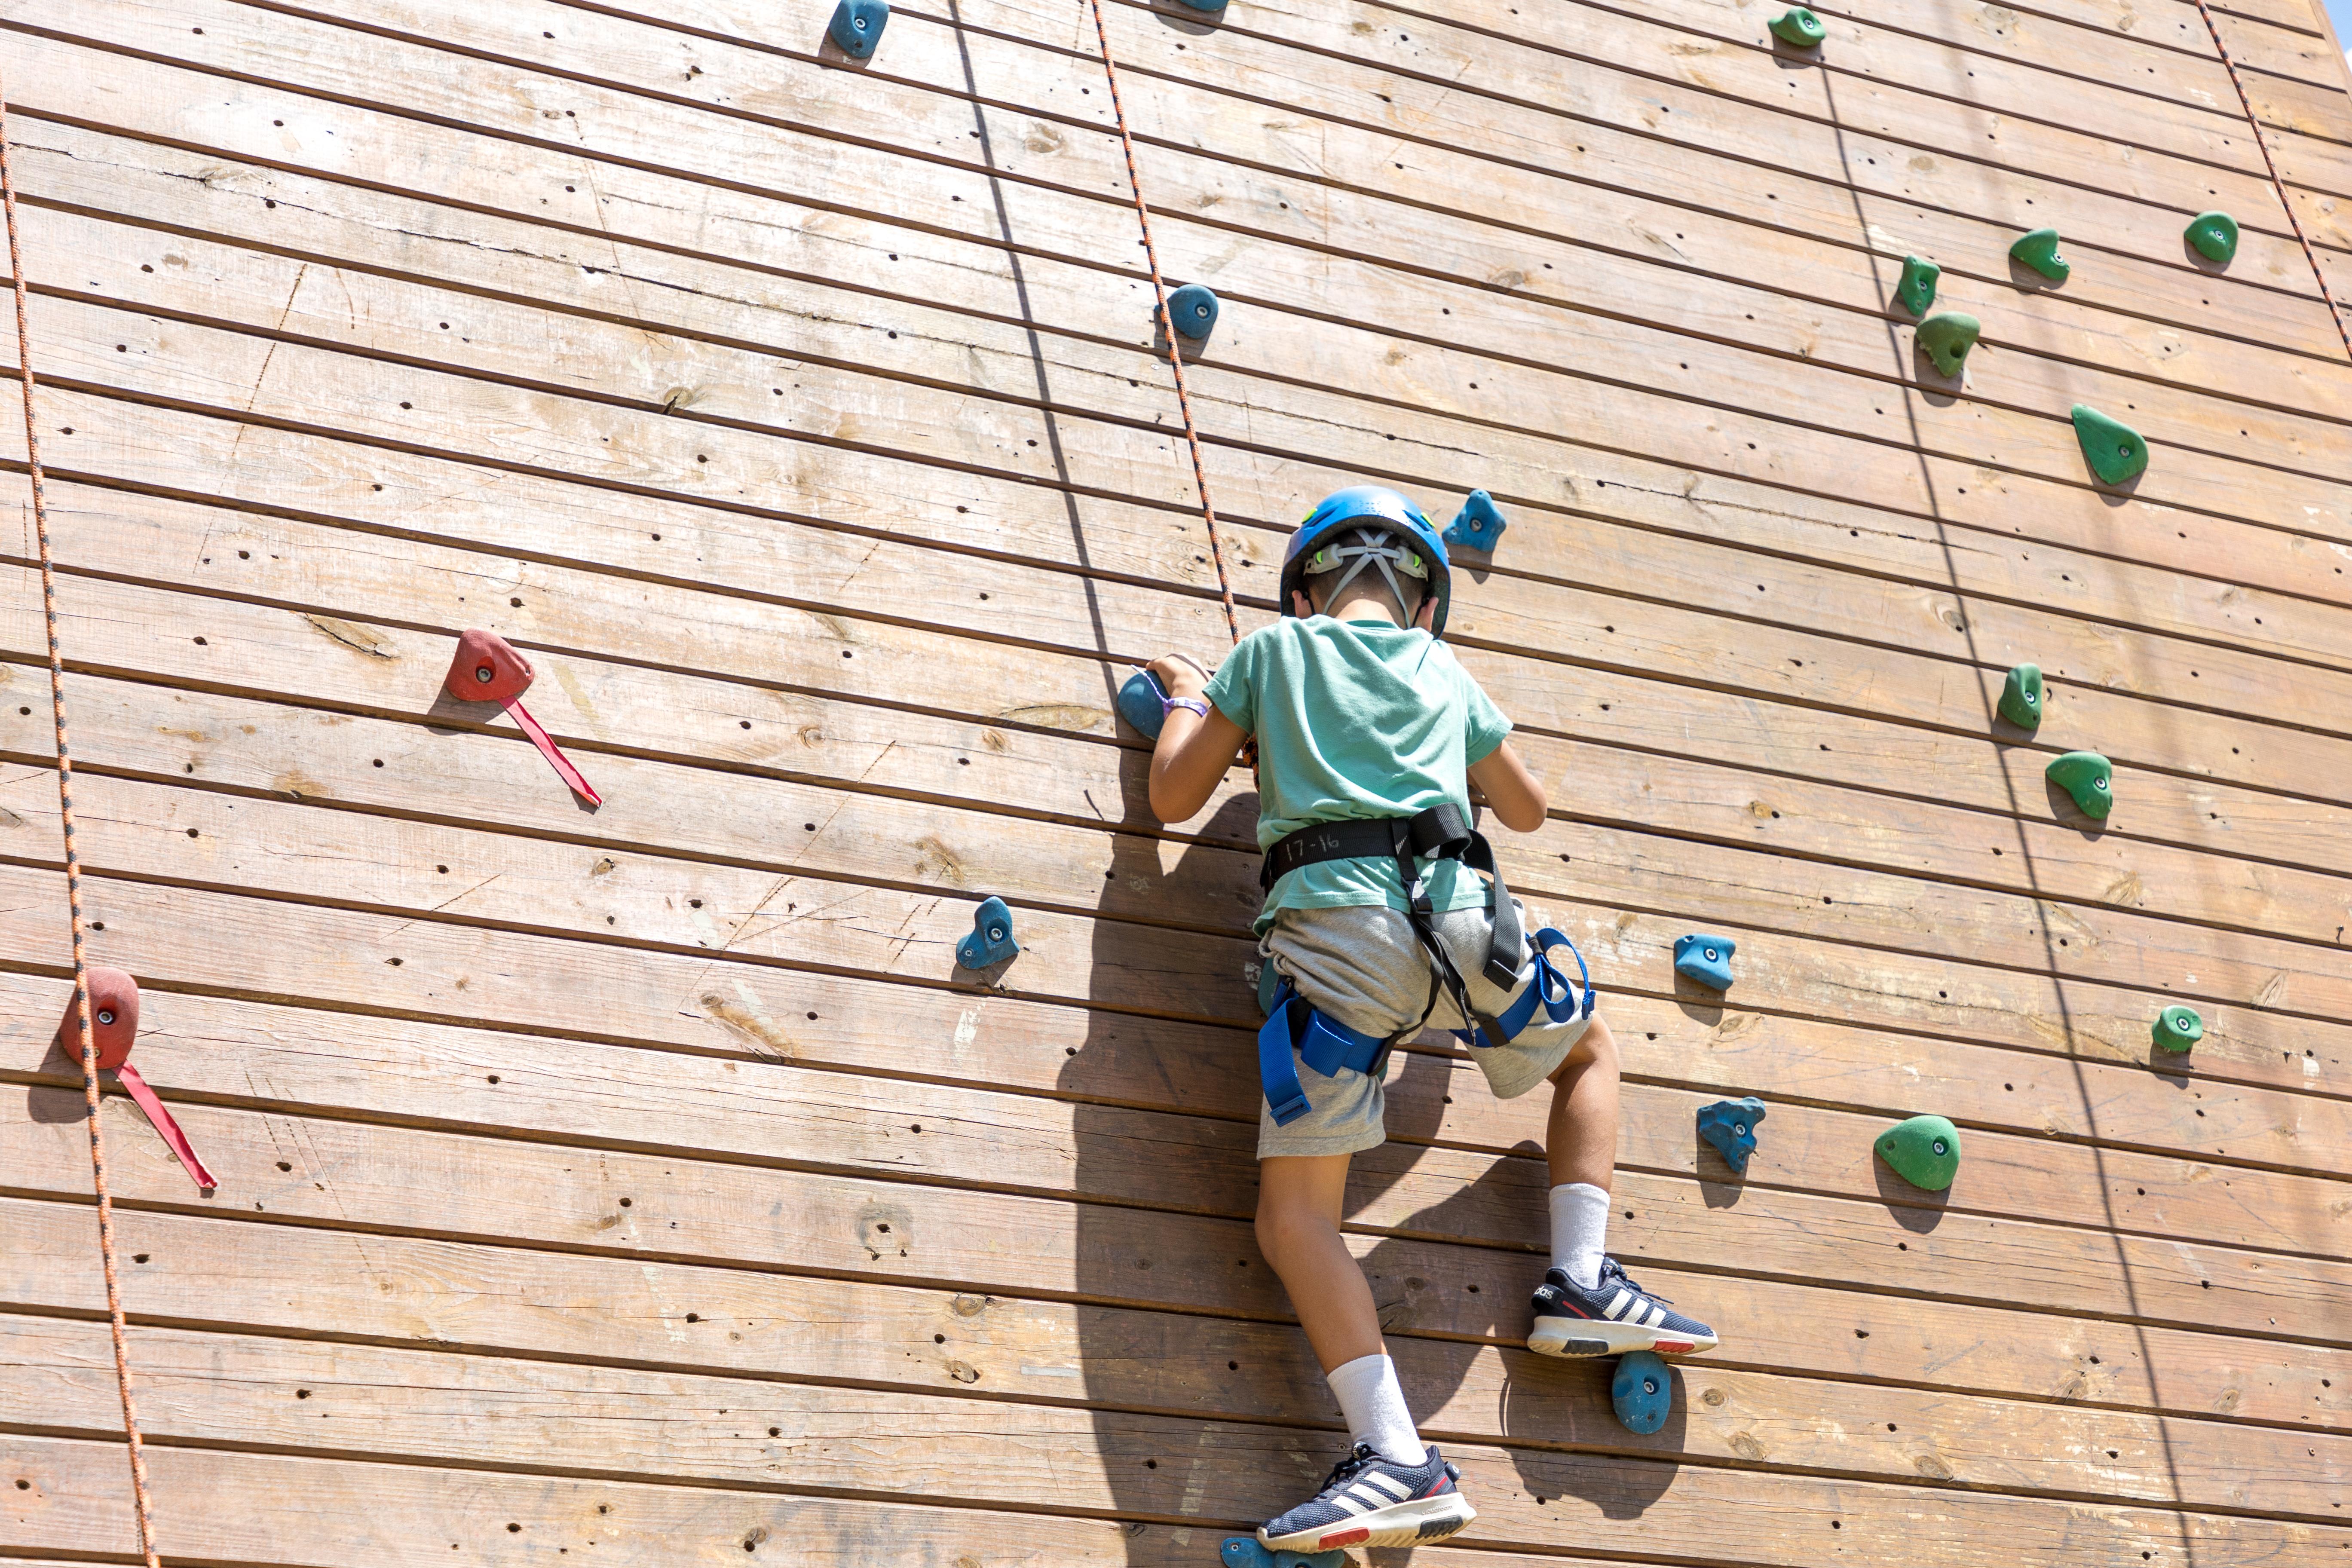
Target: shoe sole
{"x": 1578, "y": 1337}
{"x": 1399, "y": 1524}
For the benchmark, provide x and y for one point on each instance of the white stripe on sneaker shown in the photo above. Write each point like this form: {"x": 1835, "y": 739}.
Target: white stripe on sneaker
{"x": 1617, "y": 1304}
{"x": 1397, "y": 1491}
{"x": 1349, "y": 1505}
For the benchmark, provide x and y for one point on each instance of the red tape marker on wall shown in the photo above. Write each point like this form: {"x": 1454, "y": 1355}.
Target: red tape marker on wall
{"x": 114, "y": 1024}
{"x": 489, "y": 669}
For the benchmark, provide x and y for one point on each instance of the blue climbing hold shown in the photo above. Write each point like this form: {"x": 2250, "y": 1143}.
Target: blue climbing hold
{"x": 1247, "y": 1551}
{"x": 858, "y": 25}
{"x": 1705, "y": 959}
{"x": 1210, "y": 5}
{"x": 1139, "y": 704}
{"x": 991, "y": 941}
{"x": 1643, "y": 1391}
{"x": 1193, "y": 309}
{"x": 1479, "y": 525}
{"x": 1730, "y": 1126}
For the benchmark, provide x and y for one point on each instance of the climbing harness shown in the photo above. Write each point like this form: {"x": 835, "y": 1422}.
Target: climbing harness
{"x": 1296, "y": 1029}
{"x": 1160, "y": 302}
{"x": 488, "y": 669}
{"x": 85, "y": 1026}
{"x": 1369, "y": 507}
{"x": 2333, "y": 312}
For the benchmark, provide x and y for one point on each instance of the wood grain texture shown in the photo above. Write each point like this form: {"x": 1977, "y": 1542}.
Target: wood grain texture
{"x": 647, "y": 1186}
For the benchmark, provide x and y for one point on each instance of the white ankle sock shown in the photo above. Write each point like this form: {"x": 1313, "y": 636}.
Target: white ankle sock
{"x": 1579, "y": 1231}
{"x": 1375, "y": 1405}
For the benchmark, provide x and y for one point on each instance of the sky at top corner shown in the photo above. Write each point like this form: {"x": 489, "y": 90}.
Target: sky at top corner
{"x": 2340, "y": 13}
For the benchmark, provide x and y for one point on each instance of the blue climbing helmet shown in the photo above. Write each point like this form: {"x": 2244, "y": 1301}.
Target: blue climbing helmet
{"x": 1368, "y": 525}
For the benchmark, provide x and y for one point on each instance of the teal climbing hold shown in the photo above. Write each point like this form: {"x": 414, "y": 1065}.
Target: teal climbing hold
{"x": 2039, "y": 250}
{"x": 858, "y": 25}
{"x": 1923, "y": 1151}
{"x": 991, "y": 941}
{"x": 1730, "y": 1126}
{"x": 2113, "y": 448}
{"x": 1643, "y": 1389}
{"x": 1705, "y": 959}
{"x": 1193, "y": 310}
{"x": 1947, "y": 338}
{"x": 1916, "y": 291}
{"x": 2020, "y": 697}
{"x": 1479, "y": 525}
{"x": 2177, "y": 1028}
{"x": 1797, "y": 27}
{"x": 1206, "y": 4}
{"x": 2215, "y": 235}
{"x": 1246, "y": 1551}
{"x": 2088, "y": 777}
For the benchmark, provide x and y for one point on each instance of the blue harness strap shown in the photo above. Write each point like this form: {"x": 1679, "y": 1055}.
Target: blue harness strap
{"x": 1295, "y": 1028}
{"x": 1549, "y": 987}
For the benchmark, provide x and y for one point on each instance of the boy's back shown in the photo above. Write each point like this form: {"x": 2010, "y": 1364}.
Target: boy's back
{"x": 1355, "y": 721}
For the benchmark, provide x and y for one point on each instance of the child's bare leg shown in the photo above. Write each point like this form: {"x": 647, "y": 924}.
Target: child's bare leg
{"x": 1298, "y": 1211}
{"x": 1581, "y": 1139}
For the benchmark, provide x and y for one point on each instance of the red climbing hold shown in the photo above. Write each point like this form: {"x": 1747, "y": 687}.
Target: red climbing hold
{"x": 487, "y": 668}
{"x": 114, "y": 1027}
{"x": 114, "y": 1019}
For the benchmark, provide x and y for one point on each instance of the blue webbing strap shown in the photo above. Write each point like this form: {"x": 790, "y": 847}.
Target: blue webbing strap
{"x": 1549, "y": 986}
{"x": 1328, "y": 1045}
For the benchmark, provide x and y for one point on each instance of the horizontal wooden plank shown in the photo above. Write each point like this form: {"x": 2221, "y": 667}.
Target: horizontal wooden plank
{"x": 1065, "y": 1305}
{"x": 295, "y": 1395}
{"x": 154, "y": 538}
{"x": 845, "y": 1122}
{"x": 1073, "y": 1273}
{"x": 1728, "y": 885}
{"x": 318, "y": 218}
{"x": 642, "y": 535}
{"x": 2021, "y": 444}
{"x": 78, "y": 338}
{"x": 316, "y": 215}
{"x": 406, "y": 1515}
{"x": 918, "y": 846}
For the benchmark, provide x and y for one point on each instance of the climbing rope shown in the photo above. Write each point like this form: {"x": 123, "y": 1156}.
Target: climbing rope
{"x": 73, "y": 866}
{"x": 1160, "y": 310}
{"x": 2334, "y": 313}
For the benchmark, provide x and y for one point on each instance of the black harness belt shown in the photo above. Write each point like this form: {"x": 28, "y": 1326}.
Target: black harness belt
{"x": 1443, "y": 833}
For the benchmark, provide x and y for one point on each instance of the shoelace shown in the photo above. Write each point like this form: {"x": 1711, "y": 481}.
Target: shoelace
{"x": 1610, "y": 1265}
{"x": 1350, "y": 1468}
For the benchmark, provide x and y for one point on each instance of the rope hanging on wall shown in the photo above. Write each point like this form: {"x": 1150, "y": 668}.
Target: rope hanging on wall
{"x": 1167, "y": 327}
{"x": 2334, "y": 313}
{"x": 73, "y": 865}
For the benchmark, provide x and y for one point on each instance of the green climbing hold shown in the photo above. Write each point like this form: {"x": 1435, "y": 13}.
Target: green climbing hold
{"x": 1797, "y": 27}
{"x": 2113, "y": 448}
{"x": 2177, "y": 1028}
{"x": 2020, "y": 697}
{"x": 2039, "y": 250}
{"x": 1923, "y": 1151}
{"x": 1948, "y": 338}
{"x": 2215, "y": 235}
{"x": 2088, "y": 777}
{"x": 1916, "y": 291}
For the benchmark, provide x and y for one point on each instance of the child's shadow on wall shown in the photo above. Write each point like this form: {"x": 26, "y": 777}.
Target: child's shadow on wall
{"x": 1182, "y": 1314}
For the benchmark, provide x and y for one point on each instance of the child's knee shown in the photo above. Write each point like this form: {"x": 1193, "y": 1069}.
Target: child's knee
{"x": 1284, "y": 1220}
{"x": 1596, "y": 1049}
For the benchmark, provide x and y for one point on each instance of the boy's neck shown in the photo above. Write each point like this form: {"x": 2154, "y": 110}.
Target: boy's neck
{"x": 1355, "y": 606}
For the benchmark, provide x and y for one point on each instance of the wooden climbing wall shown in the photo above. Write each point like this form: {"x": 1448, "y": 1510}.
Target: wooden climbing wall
{"x": 645, "y": 1186}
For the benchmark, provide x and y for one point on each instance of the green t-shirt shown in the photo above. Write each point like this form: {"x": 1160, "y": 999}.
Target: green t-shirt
{"x": 1356, "y": 720}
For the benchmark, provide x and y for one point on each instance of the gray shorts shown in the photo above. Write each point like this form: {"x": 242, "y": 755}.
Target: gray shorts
{"x": 1365, "y": 967}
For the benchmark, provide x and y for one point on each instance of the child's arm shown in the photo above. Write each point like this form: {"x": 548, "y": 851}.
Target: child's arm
{"x": 1510, "y": 792}
{"x": 1193, "y": 751}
